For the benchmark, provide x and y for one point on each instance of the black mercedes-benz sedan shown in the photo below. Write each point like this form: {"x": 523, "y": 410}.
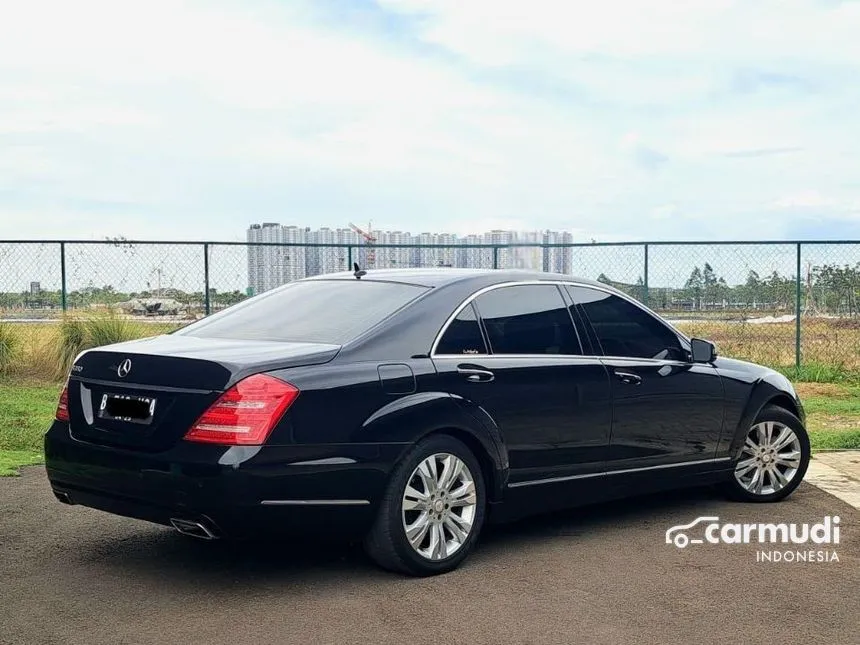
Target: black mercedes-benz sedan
{"x": 408, "y": 407}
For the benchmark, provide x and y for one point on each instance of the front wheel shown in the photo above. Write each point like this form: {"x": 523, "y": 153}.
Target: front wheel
{"x": 432, "y": 511}
{"x": 773, "y": 458}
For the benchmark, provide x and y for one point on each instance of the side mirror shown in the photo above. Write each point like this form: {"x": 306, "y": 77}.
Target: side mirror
{"x": 704, "y": 351}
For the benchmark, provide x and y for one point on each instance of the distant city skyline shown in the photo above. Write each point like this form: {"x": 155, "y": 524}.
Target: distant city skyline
{"x": 347, "y": 235}
{"x": 269, "y": 267}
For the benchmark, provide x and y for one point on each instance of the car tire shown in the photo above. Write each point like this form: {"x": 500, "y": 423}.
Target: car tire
{"x": 761, "y": 452}
{"x": 387, "y": 542}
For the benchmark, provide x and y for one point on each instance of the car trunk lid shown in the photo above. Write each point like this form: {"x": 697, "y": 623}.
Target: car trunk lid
{"x": 146, "y": 394}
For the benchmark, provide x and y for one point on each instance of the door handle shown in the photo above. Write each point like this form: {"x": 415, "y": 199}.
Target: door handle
{"x": 476, "y": 375}
{"x": 627, "y": 377}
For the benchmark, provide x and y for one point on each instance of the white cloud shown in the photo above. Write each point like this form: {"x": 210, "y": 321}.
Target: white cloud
{"x": 813, "y": 200}
{"x": 616, "y": 119}
{"x": 505, "y": 32}
{"x": 804, "y": 199}
{"x": 502, "y": 31}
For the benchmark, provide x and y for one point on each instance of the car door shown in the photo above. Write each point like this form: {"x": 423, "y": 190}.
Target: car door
{"x": 667, "y": 410}
{"x": 512, "y": 357}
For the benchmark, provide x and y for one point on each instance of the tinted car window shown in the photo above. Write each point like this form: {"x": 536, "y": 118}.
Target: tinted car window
{"x": 322, "y": 311}
{"x": 527, "y": 319}
{"x": 623, "y": 329}
{"x": 463, "y": 335}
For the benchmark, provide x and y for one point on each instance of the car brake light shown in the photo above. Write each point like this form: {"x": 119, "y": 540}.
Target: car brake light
{"x": 62, "y": 413}
{"x": 246, "y": 413}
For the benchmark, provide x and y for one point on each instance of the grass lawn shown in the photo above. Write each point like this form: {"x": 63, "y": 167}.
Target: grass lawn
{"x": 832, "y": 414}
{"x": 26, "y": 411}
{"x": 12, "y": 460}
{"x": 27, "y": 408}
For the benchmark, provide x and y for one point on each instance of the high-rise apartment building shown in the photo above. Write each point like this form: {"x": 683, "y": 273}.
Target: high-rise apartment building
{"x": 557, "y": 259}
{"x": 395, "y": 258}
{"x": 305, "y": 252}
{"x": 329, "y": 258}
{"x": 270, "y": 266}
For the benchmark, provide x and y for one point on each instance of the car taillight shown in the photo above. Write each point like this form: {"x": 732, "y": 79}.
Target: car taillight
{"x": 62, "y": 413}
{"x": 246, "y": 413}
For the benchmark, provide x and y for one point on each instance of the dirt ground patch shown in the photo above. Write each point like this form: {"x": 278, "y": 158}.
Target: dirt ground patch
{"x": 828, "y": 390}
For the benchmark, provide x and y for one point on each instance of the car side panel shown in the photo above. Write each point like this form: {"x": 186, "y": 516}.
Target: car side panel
{"x": 673, "y": 414}
{"x": 348, "y": 403}
{"x": 416, "y": 416}
{"x": 554, "y": 412}
{"x": 335, "y": 400}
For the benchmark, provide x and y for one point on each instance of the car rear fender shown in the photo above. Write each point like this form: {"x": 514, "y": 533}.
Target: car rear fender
{"x": 413, "y": 417}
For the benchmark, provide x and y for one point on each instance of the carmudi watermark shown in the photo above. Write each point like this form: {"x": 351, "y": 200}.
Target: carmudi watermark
{"x": 820, "y": 538}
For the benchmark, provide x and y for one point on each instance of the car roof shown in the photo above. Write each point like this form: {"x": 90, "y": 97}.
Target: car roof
{"x": 437, "y": 277}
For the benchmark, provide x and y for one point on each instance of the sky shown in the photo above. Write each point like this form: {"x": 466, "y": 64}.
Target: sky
{"x": 615, "y": 120}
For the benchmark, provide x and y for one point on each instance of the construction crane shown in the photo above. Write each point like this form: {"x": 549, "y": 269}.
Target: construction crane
{"x": 369, "y": 241}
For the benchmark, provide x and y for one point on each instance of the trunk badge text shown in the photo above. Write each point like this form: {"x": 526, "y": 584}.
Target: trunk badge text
{"x": 124, "y": 368}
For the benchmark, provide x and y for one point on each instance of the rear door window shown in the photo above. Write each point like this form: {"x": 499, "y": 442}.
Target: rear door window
{"x": 527, "y": 319}
{"x": 463, "y": 335}
{"x": 321, "y": 311}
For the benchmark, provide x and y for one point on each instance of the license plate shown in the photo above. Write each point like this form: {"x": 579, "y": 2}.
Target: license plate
{"x": 124, "y": 407}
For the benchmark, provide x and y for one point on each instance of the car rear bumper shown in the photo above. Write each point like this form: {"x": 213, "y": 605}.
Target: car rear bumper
{"x": 233, "y": 492}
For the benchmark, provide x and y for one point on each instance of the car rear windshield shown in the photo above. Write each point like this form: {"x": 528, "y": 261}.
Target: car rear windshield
{"x": 319, "y": 311}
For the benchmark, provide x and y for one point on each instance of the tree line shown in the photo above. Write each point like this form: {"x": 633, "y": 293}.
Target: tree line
{"x": 825, "y": 289}
{"x": 107, "y": 295}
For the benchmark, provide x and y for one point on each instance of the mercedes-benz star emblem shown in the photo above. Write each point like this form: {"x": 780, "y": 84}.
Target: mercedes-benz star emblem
{"x": 124, "y": 368}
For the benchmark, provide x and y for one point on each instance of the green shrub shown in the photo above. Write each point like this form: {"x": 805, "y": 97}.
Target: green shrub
{"x": 45, "y": 351}
{"x": 108, "y": 330}
{"x": 10, "y": 343}
{"x": 79, "y": 334}
{"x": 822, "y": 373}
{"x": 72, "y": 339}
{"x": 835, "y": 440}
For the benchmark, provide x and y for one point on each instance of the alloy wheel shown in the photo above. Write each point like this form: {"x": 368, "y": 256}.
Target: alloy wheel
{"x": 770, "y": 458}
{"x": 439, "y": 506}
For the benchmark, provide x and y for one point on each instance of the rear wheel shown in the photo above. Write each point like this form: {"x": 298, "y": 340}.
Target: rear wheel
{"x": 773, "y": 459}
{"x": 432, "y": 511}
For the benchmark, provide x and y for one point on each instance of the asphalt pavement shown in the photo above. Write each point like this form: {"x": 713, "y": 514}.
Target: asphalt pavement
{"x": 603, "y": 574}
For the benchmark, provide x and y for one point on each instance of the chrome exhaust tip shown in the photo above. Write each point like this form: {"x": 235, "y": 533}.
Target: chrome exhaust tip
{"x": 193, "y": 528}
{"x": 63, "y": 497}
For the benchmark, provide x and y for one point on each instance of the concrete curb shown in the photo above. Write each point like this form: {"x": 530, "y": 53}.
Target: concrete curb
{"x": 835, "y": 473}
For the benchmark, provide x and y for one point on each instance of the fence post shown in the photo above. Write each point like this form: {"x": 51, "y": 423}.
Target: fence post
{"x": 647, "y": 295}
{"x": 797, "y": 313}
{"x": 206, "y": 302}
{"x": 63, "y": 276}
{"x": 495, "y": 257}
{"x": 349, "y": 258}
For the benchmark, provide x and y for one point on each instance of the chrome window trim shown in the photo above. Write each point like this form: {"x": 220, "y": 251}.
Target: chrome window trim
{"x": 632, "y": 359}
{"x": 485, "y": 356}
{"x": 554, "y": 480}
{"x": 563, "y": 283}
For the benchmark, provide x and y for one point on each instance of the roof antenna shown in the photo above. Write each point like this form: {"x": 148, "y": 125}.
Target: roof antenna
{"x": 357, "y": 272}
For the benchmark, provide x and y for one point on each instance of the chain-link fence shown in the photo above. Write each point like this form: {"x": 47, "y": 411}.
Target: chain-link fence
{"x": 746, "y": 296}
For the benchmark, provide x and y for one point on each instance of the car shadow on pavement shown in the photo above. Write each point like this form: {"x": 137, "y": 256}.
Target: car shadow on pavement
{"x": 150, "y": 551}
{"x": 607, "y": 516}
